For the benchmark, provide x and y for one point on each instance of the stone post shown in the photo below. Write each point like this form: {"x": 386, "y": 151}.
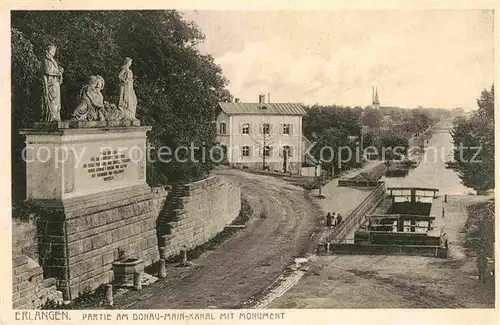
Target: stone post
{"x": 184, "y": 257}
{"x": 162, "y": 270}
{"x": 109, "y": 294}
{"x": 137, "y": 281}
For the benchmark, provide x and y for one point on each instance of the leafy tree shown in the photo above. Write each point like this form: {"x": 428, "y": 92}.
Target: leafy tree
{"x": 372, "y": 118}
{"x": 392, "y": 145}
{"x": 26, "y": 96}
{"x": 458, "y": 111}
{"x": 177, "y": 87}
{"x": 474, "y": 140}
{"x": 330, "y": 127}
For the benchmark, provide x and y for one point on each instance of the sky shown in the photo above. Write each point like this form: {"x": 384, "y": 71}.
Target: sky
{"x": 440, "y": 59}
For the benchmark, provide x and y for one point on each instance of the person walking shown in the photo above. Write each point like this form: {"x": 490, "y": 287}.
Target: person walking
{"x": 339, "y": 219}
{"x": 329, "y": 220}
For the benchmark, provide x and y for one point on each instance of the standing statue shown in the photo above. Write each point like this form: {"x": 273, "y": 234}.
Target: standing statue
{"x": 127, "y": 100}
{"x": 52, "y": 79}
{"x": 91, "y": 107}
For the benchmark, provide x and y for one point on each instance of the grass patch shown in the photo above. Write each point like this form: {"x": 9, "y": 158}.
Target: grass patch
{"x": 87, "y": 299}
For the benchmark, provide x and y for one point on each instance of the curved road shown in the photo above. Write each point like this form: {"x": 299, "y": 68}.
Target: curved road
{"x": 249, "y": 261}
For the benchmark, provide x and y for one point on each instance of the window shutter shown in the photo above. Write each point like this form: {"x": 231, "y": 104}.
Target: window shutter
{"x": 281, "y": 151}
{"x": 261, "y": 151}
{"x": 249, "y": 128}
{"x": 270, "y": 151}
{"x": 291, "y": 128}
{"x": 281, "y": 128}
{"x": 290, "y": 151}
{"x": 261, "y": 127}
{"x": 250, "y": 151}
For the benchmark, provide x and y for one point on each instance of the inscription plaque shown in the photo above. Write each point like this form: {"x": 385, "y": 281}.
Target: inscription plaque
{"x": 107, "y": 165}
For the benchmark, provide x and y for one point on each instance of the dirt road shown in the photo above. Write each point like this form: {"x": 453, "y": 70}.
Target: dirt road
{"x": 278, "y": 231}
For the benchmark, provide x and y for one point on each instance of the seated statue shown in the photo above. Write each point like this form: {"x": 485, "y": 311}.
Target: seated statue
{"x": 91, "y": 107}
{"x": 113, "y": 113}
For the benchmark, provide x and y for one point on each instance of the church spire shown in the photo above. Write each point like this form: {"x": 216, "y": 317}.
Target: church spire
{"x": 375, "y": 101}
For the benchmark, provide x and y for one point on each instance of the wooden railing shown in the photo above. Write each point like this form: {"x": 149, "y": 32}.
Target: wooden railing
{"x": 357, "y": 216}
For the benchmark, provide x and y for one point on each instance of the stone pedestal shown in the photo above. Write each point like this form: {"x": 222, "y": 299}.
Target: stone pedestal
{"x": 64, "y": 165}
{"x": 86, "y": 182}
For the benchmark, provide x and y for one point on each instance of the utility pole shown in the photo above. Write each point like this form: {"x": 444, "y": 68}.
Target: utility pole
{"x": 264, "y": 152}
{"x": 318, "y": 177}
{"x": 361, "y": 145}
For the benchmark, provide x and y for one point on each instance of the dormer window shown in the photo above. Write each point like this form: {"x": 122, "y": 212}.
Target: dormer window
{"x": 263, "y": 107}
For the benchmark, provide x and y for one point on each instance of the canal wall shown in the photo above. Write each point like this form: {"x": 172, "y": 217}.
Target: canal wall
{"x": 374, "y": 249}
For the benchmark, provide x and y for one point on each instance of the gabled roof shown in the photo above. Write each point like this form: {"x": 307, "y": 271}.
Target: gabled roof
{"x": 256, "y": 108}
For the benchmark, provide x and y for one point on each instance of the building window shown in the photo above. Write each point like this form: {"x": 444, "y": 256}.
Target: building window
{"x": 246, "y": 128}
{"x": 267, "y": 151}
{"x": 287, "y": 150}
{"x": 266, "y": 128}
{"x": 245, "y": 151}
{"x": 286, "y": 129}
{"x": 222, "y": 128}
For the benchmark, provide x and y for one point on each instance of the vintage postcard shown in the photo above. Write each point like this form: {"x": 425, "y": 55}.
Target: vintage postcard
{"x": 249, "y": 162}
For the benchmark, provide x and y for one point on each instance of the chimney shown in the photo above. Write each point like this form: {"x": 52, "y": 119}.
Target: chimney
{"x": 236, "y": 100}
{"x": 262, "y": 99}
{"x": 268, "y": 97}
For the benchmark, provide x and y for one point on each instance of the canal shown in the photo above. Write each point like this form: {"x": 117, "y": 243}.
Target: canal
{"x": 431, "y": 171}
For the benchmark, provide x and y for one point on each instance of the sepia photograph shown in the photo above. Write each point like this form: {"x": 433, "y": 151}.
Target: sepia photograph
{"x": 251, "y": 159}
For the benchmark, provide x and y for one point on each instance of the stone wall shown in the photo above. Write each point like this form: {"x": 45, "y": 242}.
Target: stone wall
{"x": 24, "y": 238}
{"x": 29, "y": 288}
{"x": 76, "y": 245}
{"x": 79, "y": 246}
{"x": 197, "y": 212}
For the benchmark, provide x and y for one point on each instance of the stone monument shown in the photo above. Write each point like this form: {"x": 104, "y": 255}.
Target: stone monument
{"x": 85, "y": 177}
{"x": 52, "y": 79}
{"x": 128, "y": 100}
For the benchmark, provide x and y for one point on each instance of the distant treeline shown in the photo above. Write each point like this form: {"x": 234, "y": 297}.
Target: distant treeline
{"x": 338, "y": 126}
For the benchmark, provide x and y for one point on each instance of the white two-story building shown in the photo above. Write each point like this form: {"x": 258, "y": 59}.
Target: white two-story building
{"x": 261, "y": 134}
